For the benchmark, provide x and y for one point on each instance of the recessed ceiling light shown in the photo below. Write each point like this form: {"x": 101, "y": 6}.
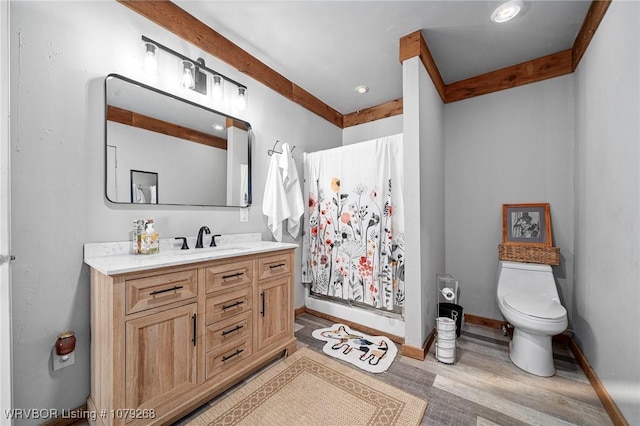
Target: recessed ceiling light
{"x": 362, "y": 89}
{"x": 507, "y": 11}
{"x": 218, "y": 127}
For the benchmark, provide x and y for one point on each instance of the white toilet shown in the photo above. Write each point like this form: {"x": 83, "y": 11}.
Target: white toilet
{"x": 528, "y": 299}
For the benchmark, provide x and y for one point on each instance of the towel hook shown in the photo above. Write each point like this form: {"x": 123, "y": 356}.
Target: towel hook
{"x": 273, "y": 150}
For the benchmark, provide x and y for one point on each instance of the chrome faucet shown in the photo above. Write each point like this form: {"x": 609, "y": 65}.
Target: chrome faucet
{"x": 203, "y": 229}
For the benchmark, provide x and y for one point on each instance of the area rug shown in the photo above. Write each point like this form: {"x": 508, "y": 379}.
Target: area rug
{"x": 310, "y": 389}
{"x": 371, "y": 353}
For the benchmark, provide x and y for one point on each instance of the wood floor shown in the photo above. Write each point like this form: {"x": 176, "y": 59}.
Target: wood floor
{"x": 483, "y": 388}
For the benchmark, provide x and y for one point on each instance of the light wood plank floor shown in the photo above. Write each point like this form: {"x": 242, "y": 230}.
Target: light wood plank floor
{"x": 483, "y": 388}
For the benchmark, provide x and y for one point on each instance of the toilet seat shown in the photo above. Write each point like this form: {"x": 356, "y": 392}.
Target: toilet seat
{"x": 535, "y": 305}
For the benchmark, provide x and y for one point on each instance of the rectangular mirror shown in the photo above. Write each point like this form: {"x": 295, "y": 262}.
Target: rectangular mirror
{"x": 202, "y": 157}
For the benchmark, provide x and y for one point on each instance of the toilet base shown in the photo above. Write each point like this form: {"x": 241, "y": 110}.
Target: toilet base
{"x": 532, "y": 352}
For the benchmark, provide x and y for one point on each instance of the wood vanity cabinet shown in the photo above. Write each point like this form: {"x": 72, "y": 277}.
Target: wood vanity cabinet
{"x": 164, "y": 341}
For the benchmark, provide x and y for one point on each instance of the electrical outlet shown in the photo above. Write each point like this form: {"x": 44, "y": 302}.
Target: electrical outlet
{"x": 61, "y": 361}
{"x": 244, "y": 214}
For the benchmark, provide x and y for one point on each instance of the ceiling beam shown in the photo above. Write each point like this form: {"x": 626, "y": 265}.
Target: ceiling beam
{"x": 587, "y": 31}
{"x": 549, "y": 66}
{"x": 414, "y": 45}
{"x": 171, "y": 17}
{"x": 141, "y": 121}
{"x": 374, "y": 113}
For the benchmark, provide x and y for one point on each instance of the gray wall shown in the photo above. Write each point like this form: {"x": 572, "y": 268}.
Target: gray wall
{"x": 373, "y": 130}
{"x": 60, "y": 53}
{"x": 606, "y": 306}
{"x": 513, "y": 146}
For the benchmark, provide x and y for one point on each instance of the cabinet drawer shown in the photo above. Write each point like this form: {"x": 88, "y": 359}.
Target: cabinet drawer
{"x": 273, "y": 266}
{"x": 221, "y": 306}
{"x": 228, "y": 356}
{"x": 226, "y": 276}
{"x": 159, "y": 290}
{"x": 224, "y": 332}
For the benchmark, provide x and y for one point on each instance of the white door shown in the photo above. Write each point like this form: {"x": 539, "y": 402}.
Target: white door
{"x": 5, "y": 278}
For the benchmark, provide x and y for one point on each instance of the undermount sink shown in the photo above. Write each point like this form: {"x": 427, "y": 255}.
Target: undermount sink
{"x": 212, "y": 250}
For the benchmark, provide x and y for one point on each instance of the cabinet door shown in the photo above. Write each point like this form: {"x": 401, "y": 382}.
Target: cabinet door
{"x": 275, "y": 317}
{"x": 161, "y": 356}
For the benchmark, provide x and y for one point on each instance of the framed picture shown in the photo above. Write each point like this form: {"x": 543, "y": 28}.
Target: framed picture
{"x": 526, "y": 224}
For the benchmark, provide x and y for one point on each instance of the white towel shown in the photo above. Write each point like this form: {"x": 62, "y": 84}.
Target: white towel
{"x": 274, "y": 203}
{"x": 292, "y": 189}
{"x": 282, "y": 195}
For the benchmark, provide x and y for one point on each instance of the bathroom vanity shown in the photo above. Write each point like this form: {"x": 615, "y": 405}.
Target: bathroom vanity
{"x": 171, "y": 331}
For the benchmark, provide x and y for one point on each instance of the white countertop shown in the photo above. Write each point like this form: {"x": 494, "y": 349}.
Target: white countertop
{"x": 115, "y": 258}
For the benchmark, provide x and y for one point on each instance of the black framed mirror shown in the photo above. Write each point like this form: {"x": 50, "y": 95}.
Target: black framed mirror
{"x": 202, "y": 156}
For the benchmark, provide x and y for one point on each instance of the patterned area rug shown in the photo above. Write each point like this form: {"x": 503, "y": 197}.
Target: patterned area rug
{"x": 371, "y": 353}
{"x": 308, "y": 389}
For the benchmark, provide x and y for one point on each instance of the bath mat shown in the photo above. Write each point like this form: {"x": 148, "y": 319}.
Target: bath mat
{"x": 371, "y": 353}
{"x": 308, "y": 389}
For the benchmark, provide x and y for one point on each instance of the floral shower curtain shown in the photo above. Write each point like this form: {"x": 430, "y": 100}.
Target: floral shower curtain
{"x": 353, "y": 240}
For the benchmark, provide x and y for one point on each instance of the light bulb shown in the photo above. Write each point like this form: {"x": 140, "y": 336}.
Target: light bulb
{"x": 187, "y": 75}
{"x": 217, "y": 88}
{"x": 241, "y": 103}
{"x": 150, "y": 63}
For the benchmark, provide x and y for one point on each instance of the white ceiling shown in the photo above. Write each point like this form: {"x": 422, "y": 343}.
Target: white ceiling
{"x": 330, "y": 47}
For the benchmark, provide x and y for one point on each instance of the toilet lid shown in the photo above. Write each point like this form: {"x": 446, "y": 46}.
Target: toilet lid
{"x": 535, "y": 305}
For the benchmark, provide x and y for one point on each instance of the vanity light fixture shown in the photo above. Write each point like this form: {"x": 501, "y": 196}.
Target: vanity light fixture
{"x": 507, "y": 11}
{"x": 194, "y": 74}
{"x": 150, "y": 64}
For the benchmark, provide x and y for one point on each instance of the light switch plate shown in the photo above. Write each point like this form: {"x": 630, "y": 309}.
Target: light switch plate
{"x": 244, "y": 215}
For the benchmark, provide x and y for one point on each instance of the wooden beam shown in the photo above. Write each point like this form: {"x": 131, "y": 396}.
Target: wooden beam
{"x": 413, "y": 45}
{"x": 141, "y": 121}
{"x": 374, "y": 113}
{"x": 315, "y": 105}
{"x": 549, "y": 66}
{"x": 587, "y": 31}
{"x": 176, "y": 20}
{"x": 230, "y": 122}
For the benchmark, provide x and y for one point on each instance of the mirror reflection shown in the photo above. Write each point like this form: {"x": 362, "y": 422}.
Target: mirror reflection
{"x": 162, "y": 149}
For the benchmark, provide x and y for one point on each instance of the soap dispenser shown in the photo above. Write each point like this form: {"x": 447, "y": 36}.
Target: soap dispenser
{"x": 150, "y": 239}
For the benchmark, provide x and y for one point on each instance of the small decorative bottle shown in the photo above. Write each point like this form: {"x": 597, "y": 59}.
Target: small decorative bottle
{"x": 136, "y": 236}
{"x": 150, "y": 239}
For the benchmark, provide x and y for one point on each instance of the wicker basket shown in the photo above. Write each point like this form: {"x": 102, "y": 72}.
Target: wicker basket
{"x": 529, "y": 253}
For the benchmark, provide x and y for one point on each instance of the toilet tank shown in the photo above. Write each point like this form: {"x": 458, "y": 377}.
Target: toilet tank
{"x": 526, "y": 278}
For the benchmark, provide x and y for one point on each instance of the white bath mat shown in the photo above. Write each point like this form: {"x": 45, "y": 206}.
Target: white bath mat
{"x": 371, "y": 353}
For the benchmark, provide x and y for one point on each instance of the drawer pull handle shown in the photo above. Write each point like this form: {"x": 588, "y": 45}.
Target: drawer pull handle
{"x": 174, "y": 288}
{"x": 237, "y": 274}
{"x": 233, "y": 305}
{"x": 195, "y": 330}
{"x": 236, "y": 328}
{"x": 279, "y": 265}
{"x": 237, "y": 352}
